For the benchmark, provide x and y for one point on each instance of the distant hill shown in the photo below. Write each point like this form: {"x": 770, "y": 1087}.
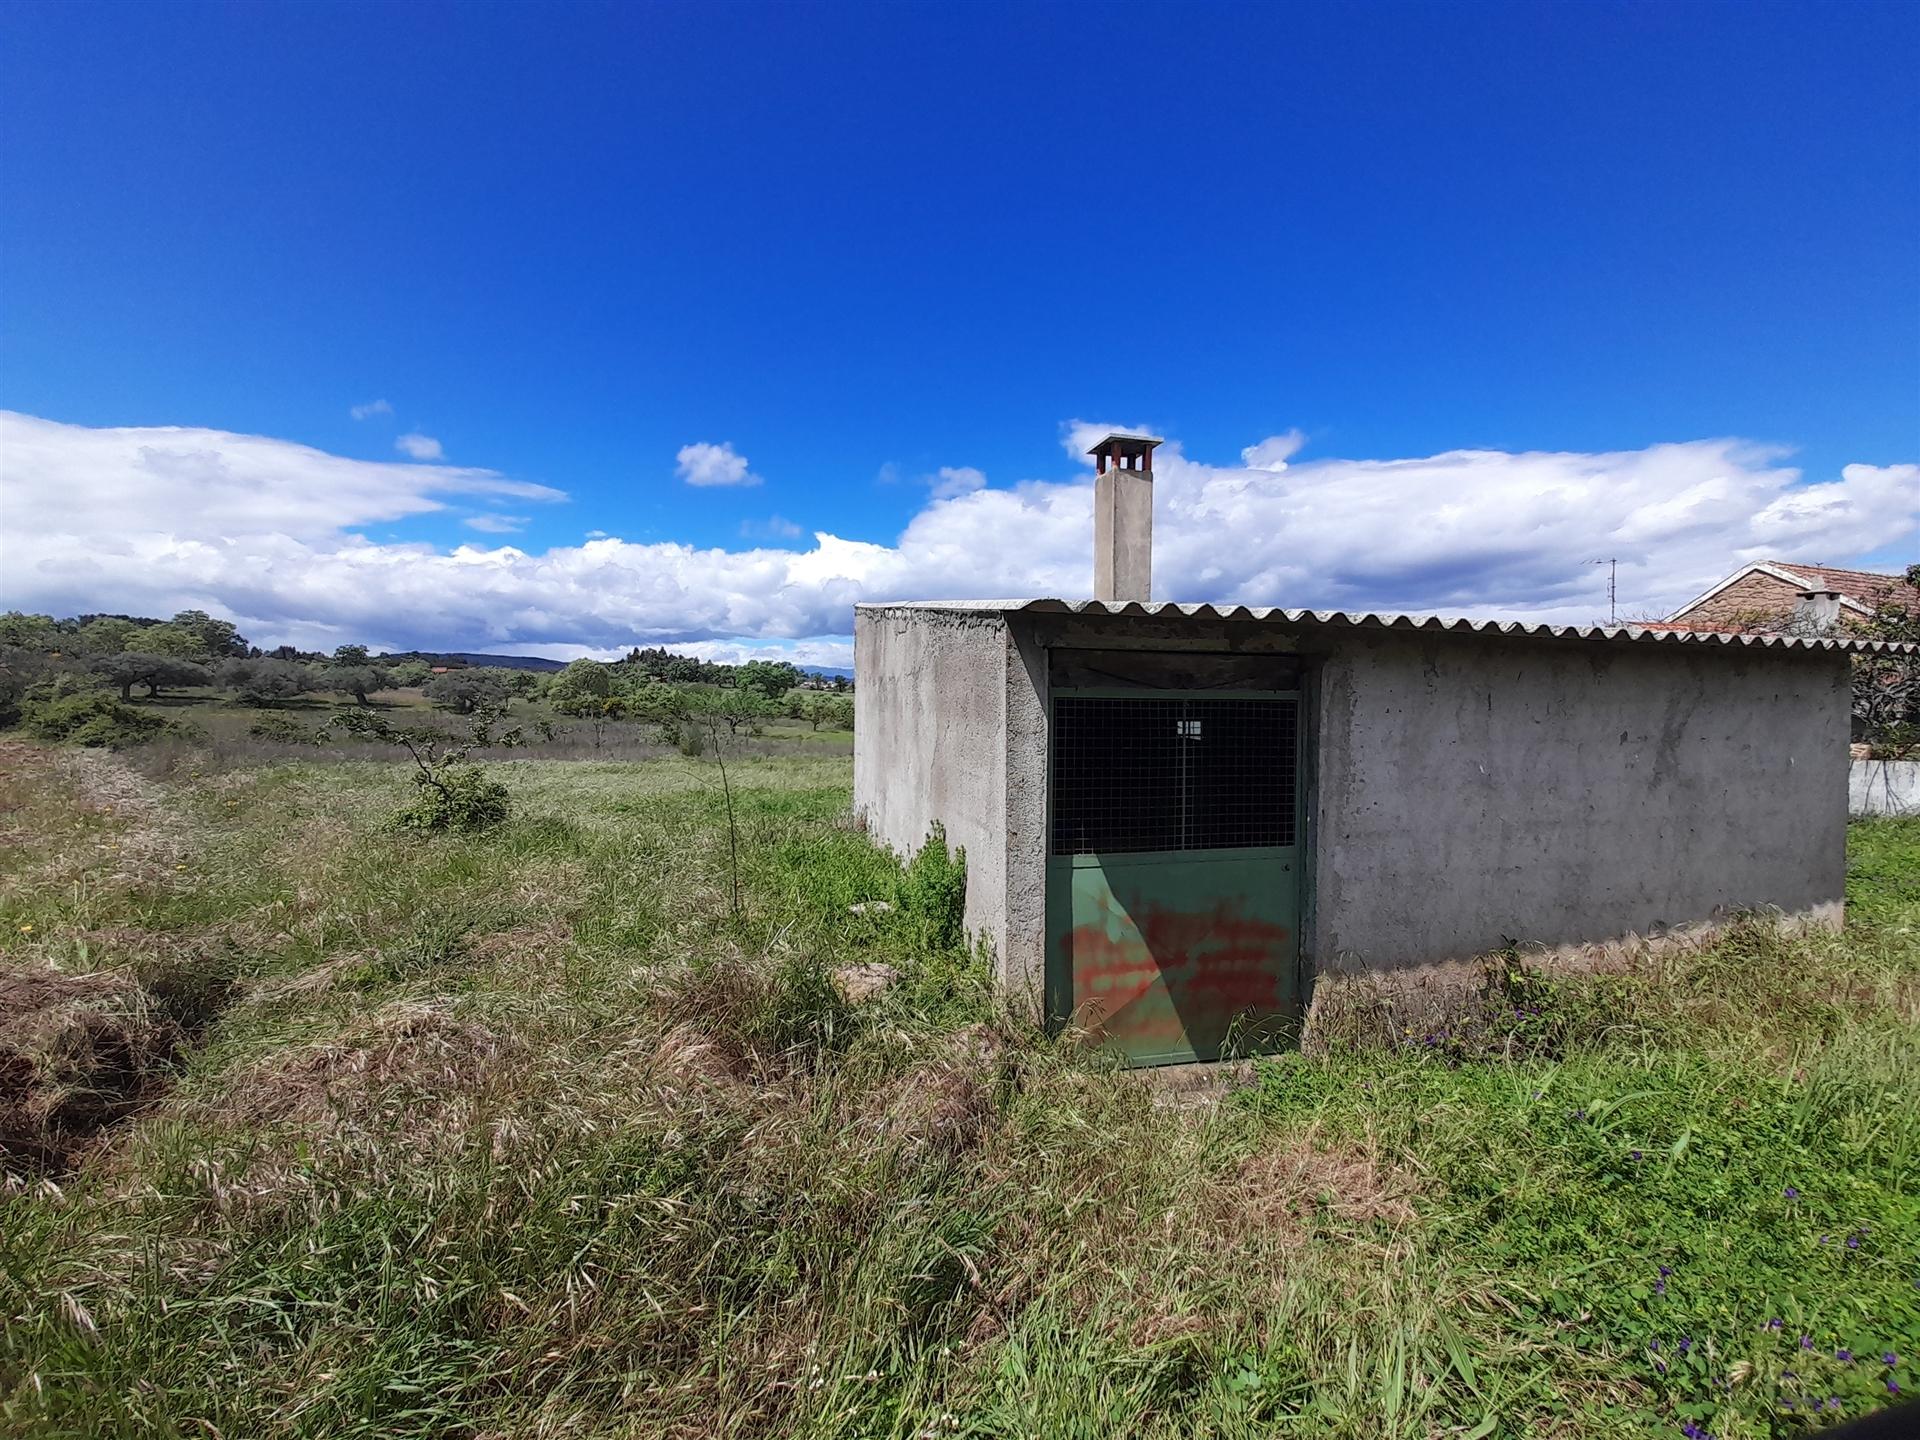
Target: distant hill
{"x": 468, "y": 657}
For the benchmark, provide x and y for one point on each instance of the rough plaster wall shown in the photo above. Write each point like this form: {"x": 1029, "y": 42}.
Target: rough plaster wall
{"x": 928, "y": 743}
{"x": 1558, "y": 795}
{"x": 1023, "y": 953}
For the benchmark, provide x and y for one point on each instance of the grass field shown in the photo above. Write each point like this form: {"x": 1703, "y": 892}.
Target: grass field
{"x": 532, "y": 1133}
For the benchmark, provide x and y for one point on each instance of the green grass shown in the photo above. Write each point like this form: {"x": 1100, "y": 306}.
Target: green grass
{"x": 527, "y": 1133}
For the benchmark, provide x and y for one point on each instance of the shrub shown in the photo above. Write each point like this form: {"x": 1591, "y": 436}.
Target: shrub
{"x": 467, "y": 691}
{"x": 283, "y": 730}
{"x": 454, "y": 797}
{"x": 91, "y": 718}
{"x": 934, "y": 893}
{"x": 267, "y": 682}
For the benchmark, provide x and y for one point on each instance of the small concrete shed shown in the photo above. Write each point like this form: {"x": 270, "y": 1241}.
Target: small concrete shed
{"x": 1177, "y": 816}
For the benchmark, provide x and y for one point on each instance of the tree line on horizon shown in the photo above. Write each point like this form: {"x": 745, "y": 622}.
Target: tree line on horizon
{"x": 54, "y": 659}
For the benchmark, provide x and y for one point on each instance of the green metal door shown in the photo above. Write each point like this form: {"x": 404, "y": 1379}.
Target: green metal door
{"x": 1174, "y": 873}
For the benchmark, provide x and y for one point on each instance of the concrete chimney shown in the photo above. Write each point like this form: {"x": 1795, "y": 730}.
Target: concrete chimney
{"x": 1123, "y": 517}
{"x": 1816, "y": 612}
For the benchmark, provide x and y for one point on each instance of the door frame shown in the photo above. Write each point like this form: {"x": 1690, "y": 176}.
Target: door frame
{"x": 1057, "y": 979}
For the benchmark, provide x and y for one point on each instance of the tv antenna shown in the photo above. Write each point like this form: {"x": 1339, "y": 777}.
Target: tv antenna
{"x": 1613, "y": 587}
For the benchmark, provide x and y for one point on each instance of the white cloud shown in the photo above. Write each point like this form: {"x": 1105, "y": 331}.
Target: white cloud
{"x": 705, "y": 464}
{"x": 154, "y": 520}
{"x": 419, "y": 447}
{"x": 955, "y": 480}
{"x": 1273, "y": 452}
{"x": 368, "y": 411}
{"x": 1077, "y": 437}
{"x": 496, "y": 524}
{"x": 596, "y": 534}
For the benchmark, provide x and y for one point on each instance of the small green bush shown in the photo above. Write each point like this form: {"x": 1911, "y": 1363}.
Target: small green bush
{"x": 933, "y": 893}
{"x": 91, "y": 718}
{"x": 454, "y": 797}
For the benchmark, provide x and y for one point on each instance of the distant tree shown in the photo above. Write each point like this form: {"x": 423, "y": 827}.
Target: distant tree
{"x": 220, "y": 639}
{"x": 267, "y": 682}
{"x": 156, "y": 672}
{"x": 1886, "y": 688}
{"x": 527, "y": 684}
{"x": 29, "y": 632}
{"x": 358, "y": 680}
{"x": 108, "y": 634}
{"x": 770, "y": 679}
{"x": 465, "y": 691}
{"x": 410, "y": 673}
{"x": 350, "y": 655}
{"x": 733, "y": 706}
{"x": 833, "y": 711}
{"x": 580, "y": 685}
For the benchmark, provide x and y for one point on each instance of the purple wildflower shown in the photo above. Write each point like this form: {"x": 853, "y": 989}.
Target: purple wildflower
{"x": 1637, "y": 1156}
{"x": 1893, "y": 1386}
{"x": 1686, "y": 1344}
{"x": 1818, "y": 1405}
{"x": 1661, "y": 1366}
{"x": 1791, "y": 1193}
{"x": 1845, "y": 1356}
{"x": 1889, "y": 1358}
{"x": 1806, "y": 1342}
{"x": 1653, "y": 1345}
{"x": 1775, "y": 1324}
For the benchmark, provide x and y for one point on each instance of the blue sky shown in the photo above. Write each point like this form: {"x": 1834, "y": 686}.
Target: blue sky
{"x": 860, "y": 244}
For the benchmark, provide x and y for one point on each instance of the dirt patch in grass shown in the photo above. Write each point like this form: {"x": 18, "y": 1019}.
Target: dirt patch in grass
{"x": 77, "y": 1054}
{"x": 1295, "y": 1187}
{"x": 403, "y": 1066}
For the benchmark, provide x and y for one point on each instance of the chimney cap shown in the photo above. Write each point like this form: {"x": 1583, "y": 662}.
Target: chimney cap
{"x": 1129, "y": 445}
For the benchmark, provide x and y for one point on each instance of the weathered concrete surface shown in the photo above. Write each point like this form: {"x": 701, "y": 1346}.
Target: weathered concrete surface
{"x": 1466, "y": 788}
{"x": 1884, "y": 787}
{"x": 1123, "y": 535}
{"x": 930, "y": 743}
{"x": 1472, "y": 793}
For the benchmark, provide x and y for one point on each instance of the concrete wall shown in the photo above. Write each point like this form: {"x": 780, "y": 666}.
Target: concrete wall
{"x": 930, "y": 723}
{"x": 1465, "y": 789}
{"x": 1556, "y": 794}
{"x": 1884, "y": 787}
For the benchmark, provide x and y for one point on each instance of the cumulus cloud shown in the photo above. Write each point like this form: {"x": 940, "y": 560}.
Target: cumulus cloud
{"x": 371, "y": 409}
{"x": 155, "y": 520}
{"x": 955, "y": 480}
{"x": 1077, "y": 437}
{"x": 419, "y": 447}
{"x": 1273, "y": 452}
{"x": 705, "y": 464}
{"x": 497, "y": 524}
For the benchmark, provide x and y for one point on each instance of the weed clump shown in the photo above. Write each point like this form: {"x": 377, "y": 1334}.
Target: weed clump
{"x": 454, "y": 797}
{"x": 91, "y": 718}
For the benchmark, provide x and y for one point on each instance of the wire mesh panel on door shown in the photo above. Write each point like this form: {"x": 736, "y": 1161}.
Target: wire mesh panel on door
{"x": 1133, "y": 775}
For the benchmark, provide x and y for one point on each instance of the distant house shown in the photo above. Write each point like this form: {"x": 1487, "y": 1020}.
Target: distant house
{"x": 1777, "y": 595}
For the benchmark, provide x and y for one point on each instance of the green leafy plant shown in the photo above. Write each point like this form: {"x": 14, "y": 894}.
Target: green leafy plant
{"x": 90, "y": 718}
{"x": 450, "y": 794}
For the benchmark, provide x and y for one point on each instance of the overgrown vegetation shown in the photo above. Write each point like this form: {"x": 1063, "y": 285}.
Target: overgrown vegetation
{"x": 524, "y": 1132}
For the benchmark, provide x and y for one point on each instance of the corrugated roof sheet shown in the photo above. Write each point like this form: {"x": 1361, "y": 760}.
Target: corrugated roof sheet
{"x": 1372, "y": 620}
